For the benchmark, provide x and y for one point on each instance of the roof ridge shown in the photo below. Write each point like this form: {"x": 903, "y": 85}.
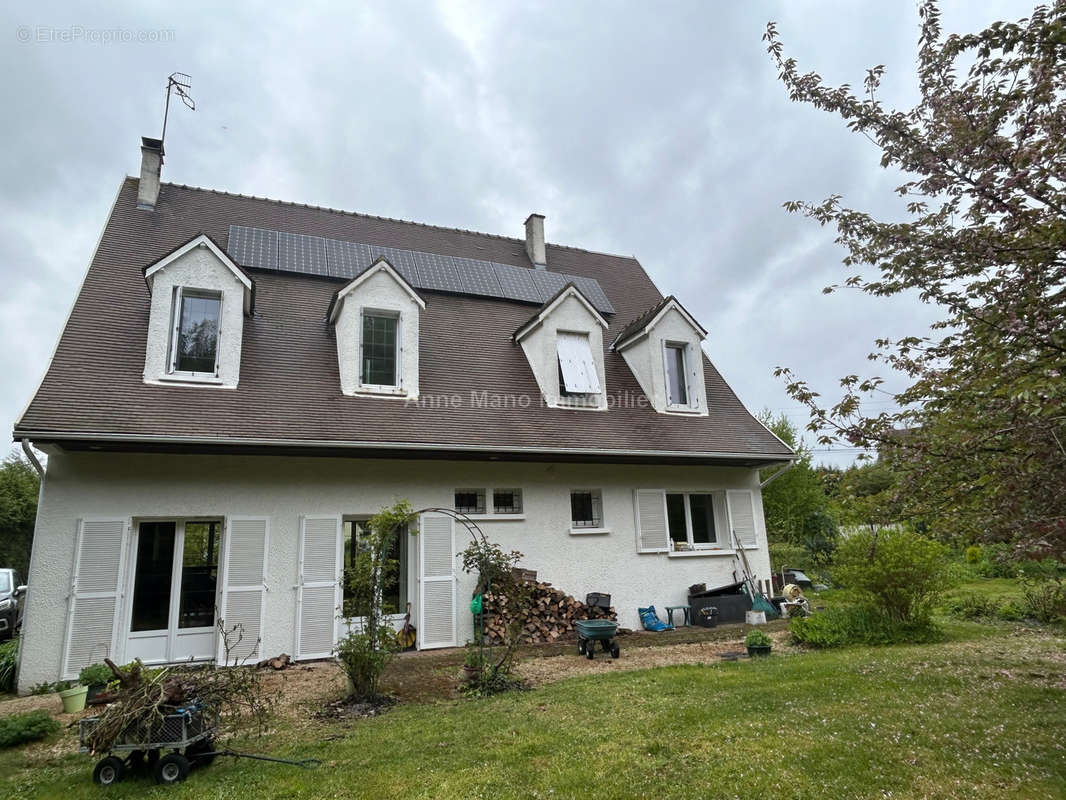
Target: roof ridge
{"x": 364, "y": 215}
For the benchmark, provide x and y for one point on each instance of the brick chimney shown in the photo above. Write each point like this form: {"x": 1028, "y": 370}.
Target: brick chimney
{"x": 535, "y": 241}
{"x": 151, "y": 166}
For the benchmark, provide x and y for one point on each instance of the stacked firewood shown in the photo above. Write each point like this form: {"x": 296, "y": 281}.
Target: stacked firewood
{"x": 548, "y": 615}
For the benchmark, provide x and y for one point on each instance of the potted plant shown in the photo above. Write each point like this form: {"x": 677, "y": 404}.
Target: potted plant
{"x": 758, "y": 644}
{"x": 95, "y": 677}
{"x": 473, "y": 663}
{"x": 73, "y": 699}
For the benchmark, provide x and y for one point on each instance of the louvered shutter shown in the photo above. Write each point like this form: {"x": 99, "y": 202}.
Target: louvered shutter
{"x": 318, "y": 595}
{"x": 742, "y": 516}
{"x": 576, "y": 363}
{"x": 692, "y": 366}
{"x": 94, "y": 593}
{"x": 243, "y": 580}
{"x": 436, "y": 602}
{"x": 652, "y": 535}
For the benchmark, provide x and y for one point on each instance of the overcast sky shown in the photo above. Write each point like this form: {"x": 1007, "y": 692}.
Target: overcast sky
{"x": 653, "y": 129}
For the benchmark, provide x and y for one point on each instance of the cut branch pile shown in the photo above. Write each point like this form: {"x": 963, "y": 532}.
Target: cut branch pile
{"x": 548, "y": 615}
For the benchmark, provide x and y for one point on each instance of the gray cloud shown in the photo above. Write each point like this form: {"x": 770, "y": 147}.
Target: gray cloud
{"x": 653, "y": 129}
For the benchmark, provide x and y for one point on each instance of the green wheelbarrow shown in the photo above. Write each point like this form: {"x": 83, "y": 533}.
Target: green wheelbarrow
{"x": 590, "y": 631}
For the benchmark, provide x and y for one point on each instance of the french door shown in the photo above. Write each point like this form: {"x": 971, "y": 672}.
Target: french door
{"x": 174, "y": 591}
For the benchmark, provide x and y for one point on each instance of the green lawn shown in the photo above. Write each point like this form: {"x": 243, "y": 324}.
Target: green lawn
{"x": 981, "y": 715}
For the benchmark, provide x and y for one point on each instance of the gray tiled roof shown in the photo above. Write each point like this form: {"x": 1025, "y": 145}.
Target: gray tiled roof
{"x": 289, "y": 392}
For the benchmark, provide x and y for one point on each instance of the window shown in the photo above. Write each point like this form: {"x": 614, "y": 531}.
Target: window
{"x": 586, "y": 508}
{"x": 379, "y": 349}
{"x": 155, "y": 568}
{"x": 194, "y": 346}
{"x": 199, "y": 575}
{"x": 394, "y": 589}
{"x": 676, "y": 381}
{"x": 577, "y": 367}
{"x": 5, "y": 582}
{"x": 690, "y": 520}
{"x": 470, "y": 501}
{"x": 507, "y": 501}
{"x": 176, "y": 566}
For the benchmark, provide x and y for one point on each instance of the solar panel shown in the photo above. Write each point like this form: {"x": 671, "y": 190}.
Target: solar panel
{"x": 260, "y": 248}
{"x": 253, "y": 247}
{"x": 516, "y": 283}
{"x": 303, "y": 254}
{"x": 478, "y": 277}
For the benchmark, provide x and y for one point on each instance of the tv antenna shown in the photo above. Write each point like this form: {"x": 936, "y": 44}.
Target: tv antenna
{"x": 179, "y": 83}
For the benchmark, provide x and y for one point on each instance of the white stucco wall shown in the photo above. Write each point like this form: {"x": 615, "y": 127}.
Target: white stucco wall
{"x": 284, "y": 488}
{"x": 379, "y": 292}
{"x": 197, "y": 269}
{"x": 645, "y": 359}
{"x": 541, "y": 351}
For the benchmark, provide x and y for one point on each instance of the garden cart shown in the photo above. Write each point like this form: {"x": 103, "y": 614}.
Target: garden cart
{"x": 590, "y": 631}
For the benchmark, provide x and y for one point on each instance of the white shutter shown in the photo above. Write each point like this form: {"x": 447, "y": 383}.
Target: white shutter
{"x": 243, "y": 581}
{"x": 94, "y": 593}
{"x": 694, "y": 357}
{"x": 318, "y": 595}
{"x": 742, "y": 516}
{"x": 436, "y": 602}
{"x": 652, "y": 536}
{"x": 576, "y": 362}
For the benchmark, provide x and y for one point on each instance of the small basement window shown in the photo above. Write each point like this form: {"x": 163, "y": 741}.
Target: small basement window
{"x": 690, "y": 519}
{"x": 577, "y": 367}
{"x": 194, "y": 340}
{"x": 470, "y": 501}
{"x": 380, "y": 349}
{"x": 507, "y": 501}
{"x": 586, "y": 508}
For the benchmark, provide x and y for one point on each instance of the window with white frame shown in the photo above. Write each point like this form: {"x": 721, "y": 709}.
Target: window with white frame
{"x": 197, "y": 317}
{"x": 379, "y": 350}
{"x": 577, "y": 367}
{"x": 507, "y": 501}
{"x": 470, "y": 501}
{"x": 677, "y": 388}
{"x": 690, "y": 520}
{"x": 586, "y": 508}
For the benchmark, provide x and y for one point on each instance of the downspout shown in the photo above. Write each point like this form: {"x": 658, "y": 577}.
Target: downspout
{"x": 33, "y": 550}
{"x": 777, "y": 475}
{"x": 36, "y": 465}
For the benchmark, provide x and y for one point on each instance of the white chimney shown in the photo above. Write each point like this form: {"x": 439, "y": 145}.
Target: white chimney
{"x": 151, "y": 166}
{"x": 535, "y": 241}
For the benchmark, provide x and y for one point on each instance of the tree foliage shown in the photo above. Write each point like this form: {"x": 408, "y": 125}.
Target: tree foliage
{"x": 19, "y": 485}
{"x": 796, "y": 495}
{"x": 984, "y": 240}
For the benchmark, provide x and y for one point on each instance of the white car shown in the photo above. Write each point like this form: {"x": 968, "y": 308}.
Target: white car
{"x": 11, "y": 593}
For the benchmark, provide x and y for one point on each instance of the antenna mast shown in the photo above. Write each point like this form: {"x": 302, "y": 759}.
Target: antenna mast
{"x": 178, "y": 82}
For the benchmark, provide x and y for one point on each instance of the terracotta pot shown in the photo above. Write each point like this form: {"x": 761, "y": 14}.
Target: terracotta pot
{"x": 471, "y": 674}
{"x": 758, "y": 650}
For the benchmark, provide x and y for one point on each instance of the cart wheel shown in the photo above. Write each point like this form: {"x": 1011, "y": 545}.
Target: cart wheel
{"x": 109, "y": 770}
{"x": 171, "y": 768}
{"x": 615, "y": 652}
{"x": 580, "y": 647}
{"x": 197, "y": 753}
{"x": 590, "y": 650}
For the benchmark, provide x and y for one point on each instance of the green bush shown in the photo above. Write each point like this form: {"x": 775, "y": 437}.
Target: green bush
{"x": 1045, "y": 569}
{"x": 784, "y": 554}
{"x": 757, "y": 638}
{"x": 857, "y": 624}
{"x": 18, "y": 729}
{"x": 1045, "y": 601}
{"x": 999, "y": 562}
{"x": 8, "y": 665}
{"x": 898, "y": 573}
{"x": 95, "y": 674}
{"x": 971, "y": 606}
{"x": 1011, "y": 611}
{"x": 50, "y": 688}
{"x": 975, "y": 554}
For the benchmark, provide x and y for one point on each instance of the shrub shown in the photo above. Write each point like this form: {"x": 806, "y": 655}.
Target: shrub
{"x": 8, "y": 665}
{"x": 1011, "y": 611}
{"x": 1045, "y": 569}
{"x": 18, "y": 729}
{"x": 857, "y": 624}
{"x": 896, "y": 572}
{"x": 999, "y": 562}
{"x": 971, "y": 606}
{"x": 95, "y": 674}
{"x": 757, "y": 638}
{"x": 783, "y": 554}
{"x": 50, "y": 688}
{"x": 1045, "y": 601}
{"x": 975, "y": 554}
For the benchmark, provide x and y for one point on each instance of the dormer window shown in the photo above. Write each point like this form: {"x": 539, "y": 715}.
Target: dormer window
{"x": 197, "y": 320}
{"x": 676, "y": 375}
{"x": 380, "y": 348}
{"x": 577, "y": 367}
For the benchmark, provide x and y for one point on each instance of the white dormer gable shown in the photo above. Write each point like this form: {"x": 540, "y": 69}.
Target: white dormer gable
{"x": 665, "y": 356}
{"x": 563, "y": 343}
{"x": 199, "y": 298}
{"x": 376, "y": 320}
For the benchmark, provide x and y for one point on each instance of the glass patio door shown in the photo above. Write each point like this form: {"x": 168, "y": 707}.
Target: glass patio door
{"x": 174, "y": 591}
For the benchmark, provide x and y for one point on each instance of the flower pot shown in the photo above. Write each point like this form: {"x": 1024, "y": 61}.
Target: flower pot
{"x": 471, "y": 674}
{"x": 758, "y": 650}
{"x": 74, "y": 699}
{"x": 95, "y": 690}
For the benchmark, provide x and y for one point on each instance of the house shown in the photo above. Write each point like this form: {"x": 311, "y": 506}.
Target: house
{"x": 242, "y": 381}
